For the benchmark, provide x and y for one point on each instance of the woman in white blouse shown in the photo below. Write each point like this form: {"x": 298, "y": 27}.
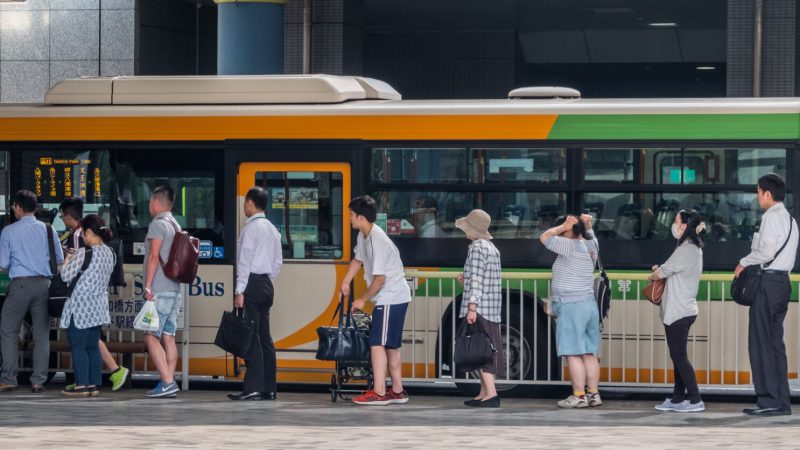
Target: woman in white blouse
{"x": 86, "y": 309}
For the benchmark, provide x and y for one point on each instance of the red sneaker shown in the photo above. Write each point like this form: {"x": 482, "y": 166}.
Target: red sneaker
{"x": 398, "y": 398}
{"x": 372, "y": 398}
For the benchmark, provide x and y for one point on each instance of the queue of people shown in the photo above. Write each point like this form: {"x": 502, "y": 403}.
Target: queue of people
{"x": 26, "y": 254}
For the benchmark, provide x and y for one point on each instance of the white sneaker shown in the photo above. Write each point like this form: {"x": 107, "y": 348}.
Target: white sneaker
{"x": 594, "y": 399}
{"x": 687, "y": 406}
{"x": 573, "y": 402}
{"x": 669, "y": 406}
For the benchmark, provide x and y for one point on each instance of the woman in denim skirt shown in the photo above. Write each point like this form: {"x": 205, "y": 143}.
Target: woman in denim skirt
{"x": 572, "y": 302}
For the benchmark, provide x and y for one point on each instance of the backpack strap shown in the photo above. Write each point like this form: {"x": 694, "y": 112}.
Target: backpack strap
{"x": 51, "y": 247}
{"x": 177, "y": 230}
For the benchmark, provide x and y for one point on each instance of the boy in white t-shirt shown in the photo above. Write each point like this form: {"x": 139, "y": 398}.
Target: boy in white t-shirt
{"x": 387, "y": 287}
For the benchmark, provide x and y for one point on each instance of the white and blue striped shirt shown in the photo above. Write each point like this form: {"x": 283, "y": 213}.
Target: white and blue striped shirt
{"x": 573, "y": 270}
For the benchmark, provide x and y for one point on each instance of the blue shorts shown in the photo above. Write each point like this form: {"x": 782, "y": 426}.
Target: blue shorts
{"x": 167, "y": 304}
{"x": 387, "y": 326}
{"x": 577, "y": 328}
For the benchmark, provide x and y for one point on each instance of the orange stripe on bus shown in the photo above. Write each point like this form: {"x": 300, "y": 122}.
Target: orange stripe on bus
{"x": 390, "y": 127}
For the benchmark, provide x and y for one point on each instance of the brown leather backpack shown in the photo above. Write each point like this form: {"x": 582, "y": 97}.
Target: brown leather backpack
{"x": 181, "y": 266}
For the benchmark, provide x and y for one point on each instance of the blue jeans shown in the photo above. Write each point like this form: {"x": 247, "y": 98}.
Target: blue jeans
{"x": 86, "y": 362}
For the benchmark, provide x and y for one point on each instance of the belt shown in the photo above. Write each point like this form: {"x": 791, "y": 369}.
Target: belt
{"x": 775, "y": 272}
{"x": 259, "y": 275}
{"x": 31, "y": 277}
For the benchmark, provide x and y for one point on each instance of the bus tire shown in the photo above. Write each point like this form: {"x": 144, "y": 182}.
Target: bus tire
{"x": 521, "y": 347}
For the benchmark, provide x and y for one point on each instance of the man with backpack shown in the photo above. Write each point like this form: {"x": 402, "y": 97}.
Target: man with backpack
{"x": 165, "y": 292}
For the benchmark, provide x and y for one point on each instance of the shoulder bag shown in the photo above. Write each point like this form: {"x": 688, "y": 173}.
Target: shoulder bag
{"x": 744, "y": 289}
{"x": 602, "y": 290}
{"x": 345, "y": 343}
{"x": 472, "y": 349}
{"x": 654, "y": 291}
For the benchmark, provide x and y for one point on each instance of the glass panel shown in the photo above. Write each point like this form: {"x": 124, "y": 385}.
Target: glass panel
{"x": 459, "y": 165}
{"x": 515, "y": 215}
{"x": 59, "y": 174}
{"x": 397, "y": 165}
{"x": 689, "y": 166}
{"x": 651, "y": 165}
{"x": 311, "y": 204}
{"x": 503, "y": 165}
{"x": 192, "y": 176}
{"x": 735, "y": 166}
{"x": 626, "y": 216}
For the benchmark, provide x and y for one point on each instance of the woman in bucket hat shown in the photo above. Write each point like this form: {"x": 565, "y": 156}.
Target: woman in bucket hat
{"x": 482, "y": 299}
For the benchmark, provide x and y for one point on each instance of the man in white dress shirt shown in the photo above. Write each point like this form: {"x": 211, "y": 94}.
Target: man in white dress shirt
{"x": 767, "y": 350}
{"x": 258, "y": 261}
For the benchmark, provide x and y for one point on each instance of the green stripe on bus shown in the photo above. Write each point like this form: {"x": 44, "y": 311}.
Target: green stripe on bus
{"x": 676, "y": 126}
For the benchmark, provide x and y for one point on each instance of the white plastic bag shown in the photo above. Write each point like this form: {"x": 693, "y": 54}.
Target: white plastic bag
{"x": 147, "y": 319}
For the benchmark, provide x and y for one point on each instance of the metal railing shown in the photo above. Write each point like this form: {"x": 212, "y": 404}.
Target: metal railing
{"x": 633, "y": 349}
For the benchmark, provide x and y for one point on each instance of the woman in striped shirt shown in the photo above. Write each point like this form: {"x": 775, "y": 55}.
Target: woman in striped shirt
{"x": 572, "y": 302}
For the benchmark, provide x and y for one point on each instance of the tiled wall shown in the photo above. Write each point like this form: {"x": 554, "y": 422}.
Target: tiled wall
{"x": 45, "y": 41}
{"x": 779, "y": 38}
{"x": 337, "y": 45}
{"x": 177, "y": 38}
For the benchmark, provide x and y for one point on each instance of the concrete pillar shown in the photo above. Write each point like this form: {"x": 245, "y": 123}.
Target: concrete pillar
{"x": 250, "y": 37}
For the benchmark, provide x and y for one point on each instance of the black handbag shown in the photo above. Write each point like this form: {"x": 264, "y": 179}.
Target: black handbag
{"x": 235, "y": 333}
{"x": 744, "y": 289}
{"x": 602, "y": 291}
{"x": 472, "y": 350}
{"x": 59, "y": 290}
{"x": 345, "y": 343}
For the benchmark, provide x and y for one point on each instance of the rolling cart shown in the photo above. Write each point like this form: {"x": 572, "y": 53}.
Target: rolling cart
{"x": 353, "y": 371}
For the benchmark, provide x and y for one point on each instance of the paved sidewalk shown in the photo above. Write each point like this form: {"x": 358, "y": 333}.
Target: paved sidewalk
{"x": 206, "y": 419}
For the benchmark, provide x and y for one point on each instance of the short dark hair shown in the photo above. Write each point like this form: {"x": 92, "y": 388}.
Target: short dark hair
{"x": 579, "y": 229}
{"x": 365, "y": 206}
{"x": 98, "y": 226}
{"x": 25, "y": 200}
{"x": 774, "y": 184}
{"x": 72, "y": 207}
{"x": 258, "y": 195}
{"x": 164, "y": 194}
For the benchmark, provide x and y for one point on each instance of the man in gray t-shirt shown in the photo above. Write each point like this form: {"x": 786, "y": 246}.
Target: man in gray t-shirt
{"x": 162, "y": 290}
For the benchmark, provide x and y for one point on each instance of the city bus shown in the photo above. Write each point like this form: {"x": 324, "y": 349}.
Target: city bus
{"x": 316, "y": 141}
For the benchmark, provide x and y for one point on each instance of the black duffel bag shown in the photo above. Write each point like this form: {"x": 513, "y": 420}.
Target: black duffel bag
{"x": 235, "y": 333}
{"x": 473, "y": 349}
{"x": 345, "y": 342}
{"x": 744, "y": 289}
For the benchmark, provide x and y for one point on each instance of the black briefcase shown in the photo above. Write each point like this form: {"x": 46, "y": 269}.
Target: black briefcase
{"x": 345, "y": 342}
{"x": 235, "y": 333}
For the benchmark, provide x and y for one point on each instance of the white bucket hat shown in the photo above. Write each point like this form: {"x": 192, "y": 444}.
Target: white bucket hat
{"x": 475, "y": 224}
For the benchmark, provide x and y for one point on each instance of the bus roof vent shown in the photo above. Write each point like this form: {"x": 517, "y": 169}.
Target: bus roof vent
{"x": 544, "y": 92}
{"x": 228, "y": 89}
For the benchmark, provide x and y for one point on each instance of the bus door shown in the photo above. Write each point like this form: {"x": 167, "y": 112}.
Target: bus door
{"x": 307, "y": 202}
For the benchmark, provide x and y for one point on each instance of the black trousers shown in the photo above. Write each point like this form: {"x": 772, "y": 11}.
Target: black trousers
{"x": 765, "y": 342}
{"x": 261, "y": 363}
{"x": 685, "y": 379}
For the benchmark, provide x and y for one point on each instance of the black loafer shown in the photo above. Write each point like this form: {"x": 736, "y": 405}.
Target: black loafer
{"x": 271, "y": 396}
{"x": 473, "y": 403}
{"x": 247, "y": 396}
{"x": 493, "y": 402}
{"x": 767, "y": 412}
